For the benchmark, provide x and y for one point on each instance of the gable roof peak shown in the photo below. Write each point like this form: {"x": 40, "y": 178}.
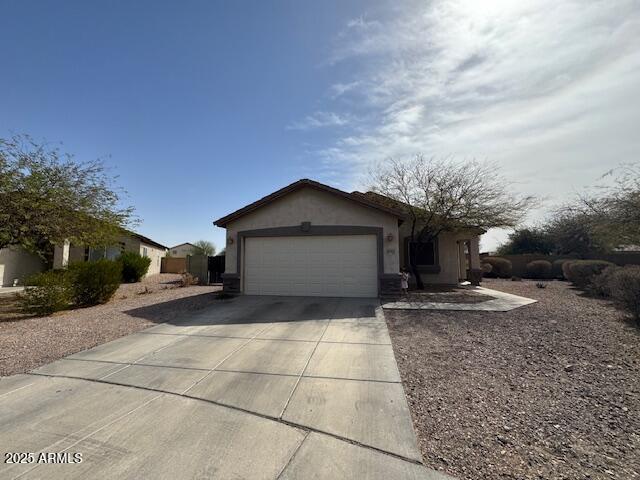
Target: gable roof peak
{"x": 292, "y": 187}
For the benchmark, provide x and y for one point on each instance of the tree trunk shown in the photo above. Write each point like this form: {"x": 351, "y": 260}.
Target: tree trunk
{"x": 412, "y": 257}
{"x": 414, "y": 269}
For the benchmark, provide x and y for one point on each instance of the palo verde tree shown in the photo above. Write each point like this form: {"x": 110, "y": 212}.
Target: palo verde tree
{"x": 47, "y": 197}
{"x": 448, "y": 195}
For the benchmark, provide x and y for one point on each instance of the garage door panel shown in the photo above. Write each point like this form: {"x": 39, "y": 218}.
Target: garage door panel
{"x": 314, "y": 266}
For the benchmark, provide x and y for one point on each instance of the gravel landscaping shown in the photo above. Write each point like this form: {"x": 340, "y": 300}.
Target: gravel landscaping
{"x": 445, "y": 295}
{"x": 27, "y": 343}
{"x": 549, "y": 390}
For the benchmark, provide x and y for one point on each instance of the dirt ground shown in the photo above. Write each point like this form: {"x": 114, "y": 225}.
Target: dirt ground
{"x": 27, "y": 343}
{"x": 549, "y": 390}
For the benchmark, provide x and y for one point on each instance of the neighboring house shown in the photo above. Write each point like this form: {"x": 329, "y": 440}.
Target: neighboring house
{"x": 311, "y": 239}
{"x": 131, "y": 242}
{"x": 16, "y": 264}
{"x": 183, "y": 250}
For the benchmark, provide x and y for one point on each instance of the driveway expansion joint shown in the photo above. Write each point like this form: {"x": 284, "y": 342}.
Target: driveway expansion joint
{"x": 293, "y": 390}
{"x": 289, "y": 423}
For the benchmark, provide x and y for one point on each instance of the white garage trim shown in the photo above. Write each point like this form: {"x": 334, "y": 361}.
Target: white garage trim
{"x": 311, "y": 265}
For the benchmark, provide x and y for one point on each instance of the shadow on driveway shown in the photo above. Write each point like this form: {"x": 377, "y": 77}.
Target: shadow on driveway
{"x": 206, "y": 309}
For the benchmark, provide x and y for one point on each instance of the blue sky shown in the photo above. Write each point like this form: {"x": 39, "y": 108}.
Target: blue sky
{"x": 202, "y": 107}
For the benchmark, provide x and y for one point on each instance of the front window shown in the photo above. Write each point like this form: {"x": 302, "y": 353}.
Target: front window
{"x": 425, "y": 252}
{"x": 144, "y": 252}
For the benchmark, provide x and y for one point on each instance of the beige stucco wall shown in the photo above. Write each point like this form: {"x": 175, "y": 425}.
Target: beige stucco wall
{"x": 182, "y": 251}
{"x": 448, "y": 255}
{"x": 155, "y": 254}
{"x": 15, "y": 262}
{"x": 319, "y": 208}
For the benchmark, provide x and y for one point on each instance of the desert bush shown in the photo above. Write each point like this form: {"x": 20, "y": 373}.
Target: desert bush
{"x": 582, "y": 272}
{"x": 94, "y": 282}
{"x": 539, "y": 269}
{"x": 601, "y": 284}
{"x": 565, "y": 268}
{"x": 134, "y": 266}
{"x": 47, "y": 292}
{"x": 500, "y": 267}
{"x": 186, "y": 280}
{"x": 556, "y": 268}
{"x": 624, "y": 285}
{"x": 541, "y": 285}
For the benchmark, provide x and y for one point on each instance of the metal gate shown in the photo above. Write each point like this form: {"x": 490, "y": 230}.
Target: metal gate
{"x": 216, "y": 269}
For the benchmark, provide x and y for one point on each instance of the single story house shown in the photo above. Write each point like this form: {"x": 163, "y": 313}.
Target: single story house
{"x": 129, "y": 242}
{"x": 311, "y": 239}
{"x": 183, "y": 250}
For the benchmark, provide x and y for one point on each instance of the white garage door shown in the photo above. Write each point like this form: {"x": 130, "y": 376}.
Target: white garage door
{"x": 329, "y": 266}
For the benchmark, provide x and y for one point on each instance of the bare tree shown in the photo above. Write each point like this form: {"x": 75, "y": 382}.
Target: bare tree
{"x": 612, "y": 212}
{"x": 204, "y": 247}
{"x": 448, "y": 195}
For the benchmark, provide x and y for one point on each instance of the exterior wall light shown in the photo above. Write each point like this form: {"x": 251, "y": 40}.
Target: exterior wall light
{"x": 230, "y": 241}
{"x": 390, "y": 237}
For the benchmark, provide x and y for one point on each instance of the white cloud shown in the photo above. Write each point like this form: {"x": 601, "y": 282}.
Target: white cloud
{"x": 339, "y": 89}
{"x": 319, "y": 120}
{"x": 550, "y": 90}
{"x": 361, "y": 23}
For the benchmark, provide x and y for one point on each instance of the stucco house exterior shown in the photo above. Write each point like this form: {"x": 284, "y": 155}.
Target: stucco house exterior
{"x": 16, "y": 264}
{"x": 312, "y": 239}
{"x": 129, "y": 242}
{"x": 183, "y": 250}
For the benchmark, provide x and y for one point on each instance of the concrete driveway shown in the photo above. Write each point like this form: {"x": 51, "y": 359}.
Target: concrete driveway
{"x": 254, "y": 387}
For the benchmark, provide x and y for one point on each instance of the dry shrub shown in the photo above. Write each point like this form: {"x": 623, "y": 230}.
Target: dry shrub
{"x": 582, "y": 272}
{"x": 557, "y": 268}
{"x": 625, "y": 290}
{"x": 601, "y": 284}
{"x": 500, "y": 267}
{"x": 539, "y": 269}
{"x": 186, "y": 280}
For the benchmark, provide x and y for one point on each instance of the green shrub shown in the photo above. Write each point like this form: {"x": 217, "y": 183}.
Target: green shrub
{"x": 582, "y": 272}
{"x": 557, "y": 266}
{"x": 625, "y": 290}
{"x": 539, "y": 269}
{"x": 95, "y": 282}
{"x": 565, "y": 268}
{"x": 47, "y": 292}
{"x": 601, "y": 284}
{"x": 134, "y": 266}
{"x": 500, "y": 267}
